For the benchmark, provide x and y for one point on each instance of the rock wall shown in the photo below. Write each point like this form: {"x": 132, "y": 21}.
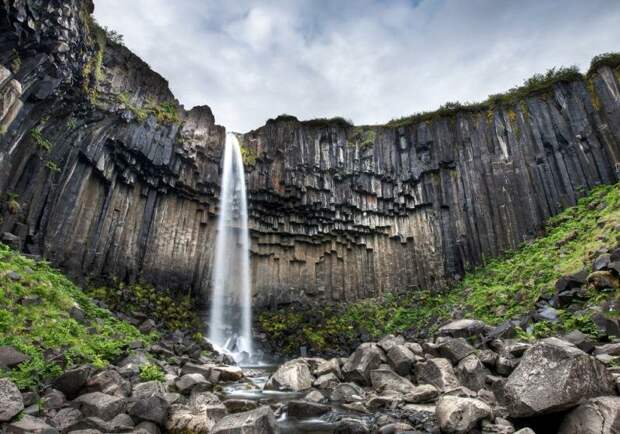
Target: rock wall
{"x": 106, "y": 175}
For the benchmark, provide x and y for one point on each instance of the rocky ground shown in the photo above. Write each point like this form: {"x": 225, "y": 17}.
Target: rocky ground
{"x": 470, "y": 378}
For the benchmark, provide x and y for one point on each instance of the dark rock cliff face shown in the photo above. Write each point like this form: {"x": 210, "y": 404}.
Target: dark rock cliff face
{"x": 106, "y": 175}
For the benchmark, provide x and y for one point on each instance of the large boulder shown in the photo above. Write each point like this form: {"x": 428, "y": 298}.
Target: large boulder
{"x": 596, "y": 416}
{"x": 11, "y": 402}
{"x": 386, "y": 379}
{"x": 259, "y": 421}
{"x": 387, "y": 342}
{"x": 100, "y": 405}
{"x": 554, "y": 375}
{"x": 455, "y": 349}
{"x": 199, "y": 416}
{"x": 471, "y": 372}
{"x": 401, "y": 358}
{"x": 109, "y": 382}
{"x": 153, "y": 408}
{"x": 294, "y": 375}
{"x": 358, "y": 366}
{"x": 463, "y": 328}
{"x": 188, "y": 381}
{"x": 328, "y": 366}
{"x": 71, "y": 382}
{"x": 301, "y": 409}
{"x": 10, "y": 357}
{"x": 30, "y": 425}
{"x": 347, "y": 392}
{"x": 438, "y": 372}
{"x": 460, "y": 415}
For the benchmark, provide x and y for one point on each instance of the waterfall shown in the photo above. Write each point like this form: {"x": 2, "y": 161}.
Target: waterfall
{"x": 230, "y": 319}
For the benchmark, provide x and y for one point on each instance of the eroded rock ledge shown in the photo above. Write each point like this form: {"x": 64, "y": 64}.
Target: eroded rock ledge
{"x": 106, "y": 175}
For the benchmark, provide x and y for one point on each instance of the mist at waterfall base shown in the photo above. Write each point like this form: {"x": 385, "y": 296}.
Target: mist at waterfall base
{"x": 230, "y": 316}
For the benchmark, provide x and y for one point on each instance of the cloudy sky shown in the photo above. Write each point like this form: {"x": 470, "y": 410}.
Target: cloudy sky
{"x": 366, "y": 60}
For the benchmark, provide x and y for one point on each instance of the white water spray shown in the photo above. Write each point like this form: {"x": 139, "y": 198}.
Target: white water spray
{"x": 230, "y": 320}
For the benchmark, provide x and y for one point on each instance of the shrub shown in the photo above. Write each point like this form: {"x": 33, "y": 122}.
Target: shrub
{"x": 150, "y": 372}
{"x": 42, "y": 143}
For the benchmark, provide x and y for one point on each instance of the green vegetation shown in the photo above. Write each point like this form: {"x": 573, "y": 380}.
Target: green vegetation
{"x": 611, "y": 60}
{"x": 318, "y": 122}
{"x": 151, "y": 372}
{"x": 12, "y": 203}
{"x": 52, "y": 166}
{"x": 504, "y": 288}
{"x": 35, "y": 318}
{"x": 165, "y": 112}
{"x": 363, "y": 137}
{"x": 72, "y": 123}
{"x": 248, "y": 154}
{"x": 175, "y": 311}
{"x": 538, "y": 84}
{"x": 92, "y": 71}
{"x": 41, "y": 141}
{"x": 16, "y": 63}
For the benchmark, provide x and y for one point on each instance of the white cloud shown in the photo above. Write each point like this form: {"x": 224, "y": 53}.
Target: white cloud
{"x": 367, "y": 60}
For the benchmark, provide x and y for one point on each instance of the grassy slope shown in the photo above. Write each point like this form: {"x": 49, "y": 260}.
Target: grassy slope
{"x": 46, "y": 325}
{"x": 504, "y": 288}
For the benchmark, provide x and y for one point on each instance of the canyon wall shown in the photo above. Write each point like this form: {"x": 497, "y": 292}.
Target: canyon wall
{"x": 106, "y": 175}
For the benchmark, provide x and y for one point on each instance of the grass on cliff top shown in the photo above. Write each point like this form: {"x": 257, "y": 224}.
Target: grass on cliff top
{"x": 502, "y": 289}
{"x": 35, "y": 319}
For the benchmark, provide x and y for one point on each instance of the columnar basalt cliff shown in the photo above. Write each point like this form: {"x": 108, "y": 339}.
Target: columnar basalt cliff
{"x": 106, "y": 175}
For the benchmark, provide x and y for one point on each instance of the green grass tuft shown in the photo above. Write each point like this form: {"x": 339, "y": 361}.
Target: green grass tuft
{"x": 151, "y": 372}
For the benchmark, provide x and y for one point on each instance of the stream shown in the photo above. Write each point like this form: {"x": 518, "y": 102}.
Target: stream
{"x": 251, "y": 388}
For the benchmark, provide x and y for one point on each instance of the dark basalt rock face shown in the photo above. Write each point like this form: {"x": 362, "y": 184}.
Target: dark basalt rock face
{"x": 92, "y": 178}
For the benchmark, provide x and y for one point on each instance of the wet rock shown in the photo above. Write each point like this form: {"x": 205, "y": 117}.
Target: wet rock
{"x": 328, "y": 366}
{"x": 227, "y": 373}
{"x": 438, "y": 372}
{"x": 30, "y": 425}
{"x": 10, "y": 357}
{"x": 294, "y": 375}
{"x": 301, "y": 409}
{"x": 401, "y": 358}
{"x": 347, "y": 392}
{"x": 454, "y": 349}
{"x": 100, "y": 405}
{"x": 199, "y": 416}
{"x": 596, "y": 416}
{"x": 554, "y": 375}
{"x": 193, "y": 368}
{"x": 259, "y": 421}
{"x": 239, "y": 405}
{"x": 350, "y": 425}
{"x": 395, "y": 428}
{"x": 358, "y": 366}
{"x": 11, "y": 402}
{"x": 386, "y": 379}
{"x": 460, "y": 415}
{"x": 71, "y": 382}
{"x": 463, "y": 328}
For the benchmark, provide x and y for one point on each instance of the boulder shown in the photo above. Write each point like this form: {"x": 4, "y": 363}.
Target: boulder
{"x": 422, "y": 393}
{"x": 53, "y": 399}
{"x": 10, "y": 357}
{"x": 100, "y": 405}
{"x": 525, "y": 431}
{"x": 454, "y": 349}
{"x": 303, "y": 409}
{"x": 294, "y": 375}
{"x": 603, "y": 280}
{"x": 463, "y": 328}
{"x": 11, "y": 402}
{"x": 498, "y": 426}
{"x": 227, "y": 373}
{"x": 239, "y": 405}
{"x": 580, "y": 340}
{"x": 387, "y": 342}
{"x": 438, "y": 372}
{"x": 199, "y": 416}
{"x": 66, "y": 418}
{"x": 460, "y": 415}
{"x": 358, "y": 366}
{"x": 30, "y": 425}
{"x": 612, "y": 349}
{"x": 395, "y": 428}
{"x": 327, "y": 381}
{"x": 471, "y": 372}
{"x": 153, "y": 408}
{"x": 109, "y": 382}
{"x": 328, "y": 366}
{"x": 146, "y": 428}
{"x": 386, "y": 379}
{"x": 572, "y": 281}
{"x": 259, "y": 421}
{"x": 601, "y": 262}
{"x": 347, "y": 392}
{"x": 120, "y": 423}
{"x": 401, "y": 358}
{"x": 505, "y": 365}
{"x": 596, "y": 416}
{"x": 554, "y": 375}
{"x": 188, "y": 381}
{"x": 148, "y": 389}
{"x": 71, "y": 382}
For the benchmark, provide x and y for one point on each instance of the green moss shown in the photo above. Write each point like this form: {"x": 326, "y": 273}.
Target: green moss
{"x": 317, "y": 122}
{"x": 16, "y": 63}
{"x": 12, "y": 203}
{"x": 35, "y": 319}
{"x": 41, "y": 141}
{"x": 165, "y": 112}
{"x": 363, "y": 137}
{"x": 504, "y": 288}
{"x": 248, "y": 154}
{"x": 174, "y": 310}
{"x": 52, "y": 166}
{"x": 538, "y": 84}
{"x": 150, "y": 372}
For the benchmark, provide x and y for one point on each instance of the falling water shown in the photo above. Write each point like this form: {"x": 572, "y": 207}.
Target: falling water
{"x": 231, "y": 311}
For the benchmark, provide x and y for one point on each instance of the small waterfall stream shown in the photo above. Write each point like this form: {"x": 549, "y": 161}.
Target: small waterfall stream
{"x": 230, "y": 319}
